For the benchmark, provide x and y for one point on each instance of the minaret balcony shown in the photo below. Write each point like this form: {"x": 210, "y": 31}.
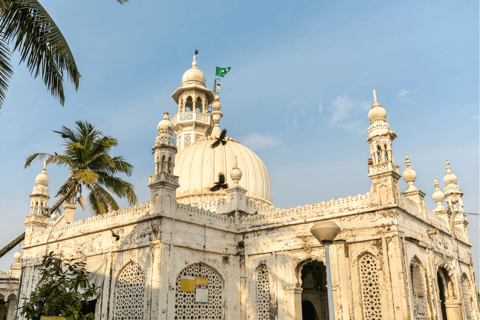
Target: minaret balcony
{"x": 163, "y": 177}
{"x": 193, "y": 116}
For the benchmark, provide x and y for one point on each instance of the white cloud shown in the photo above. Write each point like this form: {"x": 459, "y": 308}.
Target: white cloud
{"x": 403, "y": 92}
{"x": 257, "y": 141}
{"x": 347, "y": 113}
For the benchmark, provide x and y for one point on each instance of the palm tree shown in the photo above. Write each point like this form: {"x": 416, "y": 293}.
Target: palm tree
{"x": 28, "y": 26}
{"x": 91, "y": 167}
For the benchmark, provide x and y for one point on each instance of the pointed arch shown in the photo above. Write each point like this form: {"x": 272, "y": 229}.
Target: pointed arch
{"x": 468, "y": 301}
{"x": 198, "y": 104}
{"x": 130, "y": 293}
{"x": 421, "y": 296}
{"x": 189, "y": 104}
{"x": 185, "y": 301}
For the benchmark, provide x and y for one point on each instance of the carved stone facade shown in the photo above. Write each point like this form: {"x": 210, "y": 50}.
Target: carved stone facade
{"x": 228, "y": 255}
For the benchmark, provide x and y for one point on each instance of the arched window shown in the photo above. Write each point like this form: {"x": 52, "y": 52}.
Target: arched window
{"x": 130, "y": 293}
{"x": 385, "y": 153}
{"x": 162, "y": 164}
{"x": 419, "y": 295}
{"x": 189, "y": 104}
{"x": 467, "y": 299}
{"x": 186, "y": 305}
{"x": 199, "y": 104}
{"x": 169, "y": 167}
{"x": 372, "y": 307}
{"x": 379, "y": 151}
{"x": 263, "y": 293}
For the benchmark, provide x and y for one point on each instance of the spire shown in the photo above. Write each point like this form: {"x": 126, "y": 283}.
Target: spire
{"x": 375, "y": 103}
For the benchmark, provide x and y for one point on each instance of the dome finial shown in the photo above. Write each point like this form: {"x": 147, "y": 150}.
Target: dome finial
{"x": 375, "y": 103}
{"x": 44, "y": 166}
{"x": 236, "y": 173}
{"x": 450, "y": 178}
{"x": 438, "y": 197}
{"x": 377, "y": 112}
{"x": 216, "y": 116}
{"x": 194, "y": 63}
{"x": 409, "y": 175}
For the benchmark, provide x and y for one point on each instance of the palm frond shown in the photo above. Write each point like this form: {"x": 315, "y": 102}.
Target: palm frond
{"x": 121, "y": 188}
{"x": 5, "y": 70}
{"x": 34, "y": 157}
{"x": 40, "y": 43}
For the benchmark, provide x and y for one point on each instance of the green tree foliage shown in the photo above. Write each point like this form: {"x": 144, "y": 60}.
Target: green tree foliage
{"x": 86, "y": 155}
{"x": 27, "y": 26}
{"x": 62, "y": 289}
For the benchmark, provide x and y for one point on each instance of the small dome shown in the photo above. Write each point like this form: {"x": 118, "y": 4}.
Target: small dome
{"x": 437, "y": 195}
{"x": 165, "y": 126}
{"x": 18, "y": 255}
{"x": 193, "y": 76}
{"x": 449, "y": 178}
{"x": 377, "y": 112}
{"x": 43, "y": 178}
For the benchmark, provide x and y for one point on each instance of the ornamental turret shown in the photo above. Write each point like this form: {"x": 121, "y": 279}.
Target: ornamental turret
{"x": 163, "y": 184}
{"x": 412, "y": 192}
{"x": 453, "y": 197}
{"x": 381, "y": 167}
{"x": 38, "y": 218}
{"x": 438, "y": 197}
{"x": 193, "y": 120}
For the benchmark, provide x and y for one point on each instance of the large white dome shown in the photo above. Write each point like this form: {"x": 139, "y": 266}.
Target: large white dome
{"x": 198, "y": 166}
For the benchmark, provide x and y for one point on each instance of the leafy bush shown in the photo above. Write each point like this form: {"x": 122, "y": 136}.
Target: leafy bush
{"x": 58, "y": 291}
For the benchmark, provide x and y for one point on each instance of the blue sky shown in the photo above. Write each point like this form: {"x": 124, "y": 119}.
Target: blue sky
{"x": 298, "y": 92}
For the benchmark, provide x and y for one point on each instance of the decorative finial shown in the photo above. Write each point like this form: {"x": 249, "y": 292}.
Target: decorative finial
{"x": 407, "y": 161}
{"x": 194, "y": 63}
{"x": 436, "y": 184}
{"x": 438, "y": 197}
{"x": 236, "y": 173}
{"x": 165, "y": 116}
{"x": 448, "y": 166}
{"x": 44, "y": 166}
{"x": 375, "y": 102}
{"x": 409, "y": 175}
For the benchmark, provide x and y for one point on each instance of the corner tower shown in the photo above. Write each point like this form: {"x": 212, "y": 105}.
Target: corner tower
{"x": 381, "y": 168}
{"x": 193, "y": 119}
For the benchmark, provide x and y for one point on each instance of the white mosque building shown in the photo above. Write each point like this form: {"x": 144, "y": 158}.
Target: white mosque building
{"x": 193, "y": 253}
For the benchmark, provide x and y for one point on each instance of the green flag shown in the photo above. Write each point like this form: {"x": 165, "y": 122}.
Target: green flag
{"x": 221, "y": 72}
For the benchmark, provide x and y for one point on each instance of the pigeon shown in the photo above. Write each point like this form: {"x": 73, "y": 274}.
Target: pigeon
{"x": 117, "y": 237}
{"x": 220, "y": 184}
{"x": 196, "y": 51}
{"x": 56, "y": 154}
{"x": 220, "y": 139}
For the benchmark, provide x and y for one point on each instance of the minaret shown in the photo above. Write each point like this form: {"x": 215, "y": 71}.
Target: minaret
{"x": 163, "y": 184}
{"x": 412, "y": 192}
{"x": 38, "y": 218}
{"x": 453, "y": 196}
{"x": 192, "y": 120}
{"x": 381, "y": 168}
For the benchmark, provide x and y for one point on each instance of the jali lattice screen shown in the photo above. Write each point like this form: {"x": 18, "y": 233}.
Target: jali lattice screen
{"x": 186, "y": 306}
{"x": 130, "y": 293}
{"x": 263, "y": 293}
{"x": 370, "y": 287}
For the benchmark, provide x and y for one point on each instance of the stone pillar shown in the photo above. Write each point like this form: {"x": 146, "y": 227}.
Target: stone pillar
{"x": 453, "y": 311}
{"x": 294, "y": 303}
{"x": 69, "y": 211}
{"x": 12, "y": 305}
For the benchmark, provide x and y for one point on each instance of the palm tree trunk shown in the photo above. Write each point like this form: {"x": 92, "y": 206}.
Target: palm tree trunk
{"x": 21, "y": 237}
{"x": 12, "y": 244}
{"x": 65, "y": 196}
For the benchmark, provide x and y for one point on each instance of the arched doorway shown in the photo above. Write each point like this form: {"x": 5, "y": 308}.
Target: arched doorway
{"x": 441, "y": 293}
{"x": 314, "y": 294}
{"x": 449, "y": 301}
{"x": 308, "y": 311}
